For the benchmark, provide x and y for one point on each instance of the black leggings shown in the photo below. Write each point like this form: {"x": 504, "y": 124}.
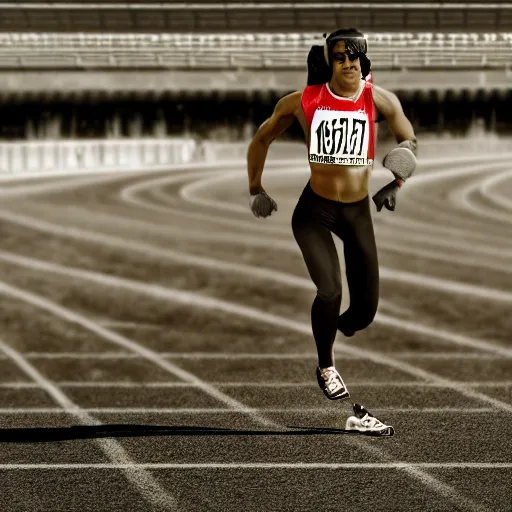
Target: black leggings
{"x": 313, "y": 221}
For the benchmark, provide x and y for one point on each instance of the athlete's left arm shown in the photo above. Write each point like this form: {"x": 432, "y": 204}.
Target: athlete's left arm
{"x": 389, "y": 106}
{"x": 399, "y": 161}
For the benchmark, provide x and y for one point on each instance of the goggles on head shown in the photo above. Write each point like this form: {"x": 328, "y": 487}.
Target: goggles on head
{"x": 355, "y": 44}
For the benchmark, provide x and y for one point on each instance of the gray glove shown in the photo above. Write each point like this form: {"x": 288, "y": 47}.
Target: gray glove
{"x": 386, "y": 196}
{"x": 262, "y": 205}
{"x": 401, "y": 161}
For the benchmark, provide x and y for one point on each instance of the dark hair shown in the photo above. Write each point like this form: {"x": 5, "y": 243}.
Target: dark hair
{"x": 320, "y": 71}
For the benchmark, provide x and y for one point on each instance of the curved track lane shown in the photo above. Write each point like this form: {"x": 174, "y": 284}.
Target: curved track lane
{"x": 174, "y": 271}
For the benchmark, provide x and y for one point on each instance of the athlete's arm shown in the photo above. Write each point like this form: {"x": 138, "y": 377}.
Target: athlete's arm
{"x": 280, "y": 120}
{"x": 389, "y": 106}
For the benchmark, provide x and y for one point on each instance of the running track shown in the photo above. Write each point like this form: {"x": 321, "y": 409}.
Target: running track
{"x": 156, "y": 351}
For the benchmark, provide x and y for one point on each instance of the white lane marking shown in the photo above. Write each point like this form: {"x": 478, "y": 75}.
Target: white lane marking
{"x": 449, "y": 492}
{"x": 138, "y": 477}
{"x": 228, "y": 356}
{"x": 455, "y": 258}
{"x": 251, "y": 410}
{"x": 481, "y": 292}
{"x": 127, "y": 343}
{"x": 382, "y": 234}
{"x": 127, "y": 325}
{"x": 425, "y": 177}
{"x": 189, "y": 192}
{"x": 441, "y": 334}
{"x": 495, "y": 197}
{"x": 70, "y": 182}
{"x": 270, "y": 228}
{"x": 272, "y": 465}
{"x": 212, "y": 303}
{"x": 128, "y": 195}
{"x": 447, "y": 286}
{"x": 168, "y": 254}
{"x": 196, "y": 300}
{"x": 440, "y": 487}
{"x": 461, "y": 198}
{"x": 140, "y": 385}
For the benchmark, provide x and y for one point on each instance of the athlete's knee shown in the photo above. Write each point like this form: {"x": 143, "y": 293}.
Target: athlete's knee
{"x": 330, "y": 293}
{"x": 364, "y": 319}
{"x": 356, "y": 319}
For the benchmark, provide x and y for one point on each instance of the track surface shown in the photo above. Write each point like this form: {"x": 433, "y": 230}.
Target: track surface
{"x": 156, "y": 351}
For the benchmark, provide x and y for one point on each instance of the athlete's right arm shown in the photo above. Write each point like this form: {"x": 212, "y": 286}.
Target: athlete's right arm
{"x": 280, "y": 120}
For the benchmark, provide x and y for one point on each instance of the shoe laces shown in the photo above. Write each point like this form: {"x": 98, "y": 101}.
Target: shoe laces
{"x": 371, "y": 421}
{"x": 332, "y": 382}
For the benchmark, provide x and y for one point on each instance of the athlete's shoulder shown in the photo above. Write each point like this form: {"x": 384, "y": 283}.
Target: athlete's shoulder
{"x": 289, "y": 104}
{"x": 384, "y": 98}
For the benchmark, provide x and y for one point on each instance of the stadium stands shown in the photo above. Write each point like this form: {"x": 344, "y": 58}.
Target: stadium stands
{"x": 422, "y": 50}
{"x": 270, "y": 15}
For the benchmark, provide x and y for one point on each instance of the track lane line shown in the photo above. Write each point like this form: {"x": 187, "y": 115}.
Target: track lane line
{"x": 424, "y": 251}
{"x": 274, "y": 465}
{"x": 253, "y": 410}
{"x": 420, "y": 280}
{"x": 229, "y": 356}
{"x": 139, "y": 385}
{"x": 146, "y": 485}
{"x": 445, "y": 490}
{"x": 197, "y": 300}
{"x": 212, "y": 303}
{"x": 495, "y": 198}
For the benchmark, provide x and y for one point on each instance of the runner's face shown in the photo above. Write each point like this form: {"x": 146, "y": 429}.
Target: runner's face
{"x": 345, "y": 70}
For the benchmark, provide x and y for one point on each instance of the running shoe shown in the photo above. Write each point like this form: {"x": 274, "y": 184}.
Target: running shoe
{"x": 332, "y": 384}
{"x": 366, "y": 423}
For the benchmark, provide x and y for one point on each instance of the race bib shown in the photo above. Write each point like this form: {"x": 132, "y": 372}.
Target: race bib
{"x": 340, "y": 138}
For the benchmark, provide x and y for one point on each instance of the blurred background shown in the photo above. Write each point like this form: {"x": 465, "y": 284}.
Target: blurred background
{"x": 213, "y": 71}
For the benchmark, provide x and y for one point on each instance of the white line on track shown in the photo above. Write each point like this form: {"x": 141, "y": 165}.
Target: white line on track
{"x": 435, "y": 208}
{"x": 196, "y": 300}
{"x": 245, "y": 410}
{"x": 148, "y": 354}
{"x": 461, "y": 197}
{"x": 256, "y": 384}
{"x": 462, "y": 247}
{"x": 68, "y": 182}
{"x": 139, "y": 477}
{"x": 212, "y": 303}
{"x": 228, "y": 356}
{"x": 426, "y": 479}
{"x": 481, "y": 292}
{"x": 190, "y": 189}
{"x": 424, "y": 252}
{"x": 430, "y": 481}
{"x": 486, "y": 185}
{"x": 189, "y": 193}
{"x": 128, "y": 195}
{"x": 272, "y": 465}
{"x": 462, "y": 258}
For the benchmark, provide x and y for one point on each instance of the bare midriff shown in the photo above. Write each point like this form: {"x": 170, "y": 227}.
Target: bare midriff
{"x": 347, "y": 184}
{"x": 344, "y": 183}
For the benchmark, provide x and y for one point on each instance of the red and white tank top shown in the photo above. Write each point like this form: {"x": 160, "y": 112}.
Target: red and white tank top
{"x": 341, "y": 129}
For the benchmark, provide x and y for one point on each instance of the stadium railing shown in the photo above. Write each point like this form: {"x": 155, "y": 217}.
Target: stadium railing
{"x": 96, "y": 154}
{"x": 245, "y": 51}
{"x": 34, "y": 158}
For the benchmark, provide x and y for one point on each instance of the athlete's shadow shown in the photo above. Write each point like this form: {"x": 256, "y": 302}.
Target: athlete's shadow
{"x": 52, "y": 434}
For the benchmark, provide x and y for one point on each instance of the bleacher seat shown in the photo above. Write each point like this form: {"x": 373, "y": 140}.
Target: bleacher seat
{"x": 254, "y": 51}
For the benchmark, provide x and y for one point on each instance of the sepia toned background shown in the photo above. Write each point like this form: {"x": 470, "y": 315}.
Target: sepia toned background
{"x": 155, "y": 348}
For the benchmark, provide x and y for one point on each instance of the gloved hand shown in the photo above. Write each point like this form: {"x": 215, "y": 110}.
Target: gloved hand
{"x": 386, "y": 196}
{"x": 401, "y": 161}
{"x": 262, "y": 205}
